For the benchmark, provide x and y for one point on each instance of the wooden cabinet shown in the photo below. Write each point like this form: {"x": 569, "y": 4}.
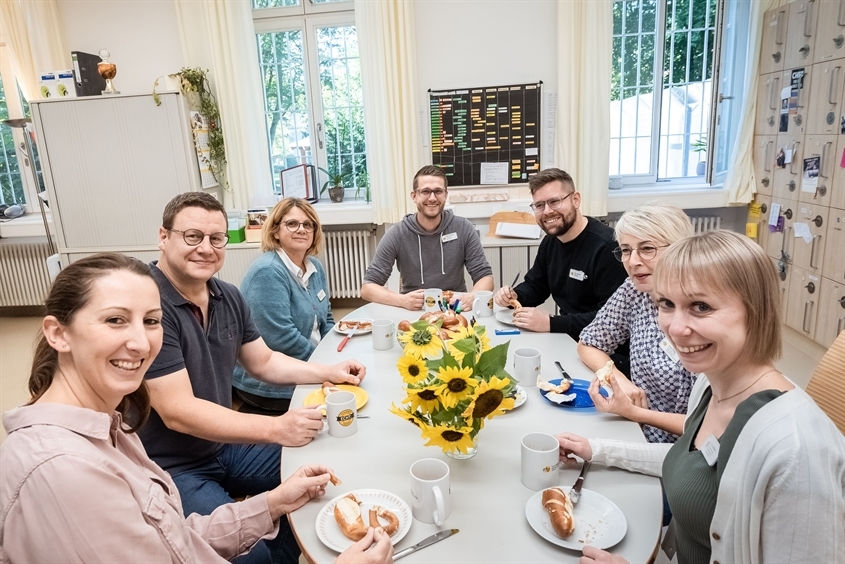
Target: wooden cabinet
{"x": 773, "y": 40}
{"x": 803, "y": 302}
{"x": 764, "y": 163}
{"x": 808, "y": 254}
{"x": 824, "y": 147}
{"x": 834, "y": 260}
{"x": 768, "y": 104}
{"x": 801, "y": 32}
{"x": 830, "y": 33}
{"x": 831, "y": 319}
{"x": 782, "y": 243}
{"x": 788, "y": 177}
{"x": 826, "y": 98}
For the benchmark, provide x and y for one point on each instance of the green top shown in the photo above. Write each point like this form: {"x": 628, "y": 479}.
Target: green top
{"x": 692, "y": 485}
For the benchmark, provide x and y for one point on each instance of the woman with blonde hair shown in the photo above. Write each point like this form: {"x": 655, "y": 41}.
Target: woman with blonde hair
{"x": 759, "y": 472}
{"x": 76, "y": 483}
{"x": 656, "y": 397}
{"x": 288, "y": 296}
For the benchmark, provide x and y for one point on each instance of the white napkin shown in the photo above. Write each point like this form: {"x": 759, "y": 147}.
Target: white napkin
{"x": 560, "y": 398}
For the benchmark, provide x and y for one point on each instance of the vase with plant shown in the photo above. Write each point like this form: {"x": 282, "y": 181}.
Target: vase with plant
{"x": 193, "y": 82}
{"x": 454, "y": 381}
{"x": 334, "y": 185}
{"x": 700, "y": 146}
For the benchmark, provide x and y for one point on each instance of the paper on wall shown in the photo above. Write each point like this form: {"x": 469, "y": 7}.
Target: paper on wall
{"x": 494, "y": 173}
{"x": 773, "y": 215}
{"x": 802, "y": 230}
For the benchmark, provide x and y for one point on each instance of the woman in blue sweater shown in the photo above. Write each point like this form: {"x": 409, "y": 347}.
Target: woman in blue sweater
{"x": 288, "y": 297}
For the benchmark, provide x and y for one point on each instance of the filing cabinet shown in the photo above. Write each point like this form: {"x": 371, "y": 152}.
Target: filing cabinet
{"x": 824, "y": 147}
{"x": 801, "y": 32}
{"x": 764, "y": 163}
{"x": 803, "y": 301}
{"x": 831, "y": 318}
{"x": 828, "y": 82}
{"x": 808, "y": 254}
{"x": 830, "y": 32}
{"x": 772, "y": 52}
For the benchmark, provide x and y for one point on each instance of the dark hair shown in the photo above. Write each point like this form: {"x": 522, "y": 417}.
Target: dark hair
{"x": 537, "y": 181}
{"x": 190, "y": 200}
{"x": 431, "y": 170}
{"x": 70, "y": 293}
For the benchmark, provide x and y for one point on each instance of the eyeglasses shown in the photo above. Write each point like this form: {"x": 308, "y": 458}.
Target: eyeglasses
{"x": 426, "y": 193}
{"x": 553, "y": 203}
{"x": 194, "y": 237}
{"x": 293, "y": 225}
{"x": 645, "y": 252}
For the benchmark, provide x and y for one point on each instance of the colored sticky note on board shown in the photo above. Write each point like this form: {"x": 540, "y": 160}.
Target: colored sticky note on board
{"x": 755, "y": 210}
{"x": 751, "y": 230}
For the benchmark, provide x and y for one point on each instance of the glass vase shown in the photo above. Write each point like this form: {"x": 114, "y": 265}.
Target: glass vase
{"x": 471, "y": 451}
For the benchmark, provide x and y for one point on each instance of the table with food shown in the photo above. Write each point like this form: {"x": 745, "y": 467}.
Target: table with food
{"x": 464, "y": 497}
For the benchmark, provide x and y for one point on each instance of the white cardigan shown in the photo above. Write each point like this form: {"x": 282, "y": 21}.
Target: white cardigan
{"x": 782, "y": 494}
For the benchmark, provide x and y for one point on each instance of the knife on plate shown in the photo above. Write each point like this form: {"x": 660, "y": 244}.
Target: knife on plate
{"x": 575, "y": 492}
{"x": 428, "y": 541}
{"x": 346, "y": 339}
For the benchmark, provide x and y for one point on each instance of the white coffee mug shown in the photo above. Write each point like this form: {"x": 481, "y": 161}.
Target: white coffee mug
{"x": 540, "y": 461}
{"x": 432, "y": 298}
{"x": 384, "y": 333}
{"x": 482, "y": 306}
{"x": 341, "y": 414}
{"x": 526, "y": 366}
{"x": 431, "y": 492}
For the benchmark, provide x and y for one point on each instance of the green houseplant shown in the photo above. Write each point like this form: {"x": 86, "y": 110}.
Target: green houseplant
{"x": 334, "y": 185}
{"x": 700, "y": 146}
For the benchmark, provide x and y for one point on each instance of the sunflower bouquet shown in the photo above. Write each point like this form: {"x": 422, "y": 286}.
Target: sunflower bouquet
{"x": 454, "y": 381}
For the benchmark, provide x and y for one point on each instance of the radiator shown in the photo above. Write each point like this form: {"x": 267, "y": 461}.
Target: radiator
{"x": 699, "y": 224}
{"x": 346, "y": 257}
{"x": 24, "y": 280}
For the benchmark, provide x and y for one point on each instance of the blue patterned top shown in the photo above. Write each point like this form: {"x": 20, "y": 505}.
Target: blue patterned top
{"x": 632, "y": 314}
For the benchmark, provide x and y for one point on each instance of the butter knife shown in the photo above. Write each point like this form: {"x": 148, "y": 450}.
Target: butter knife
{"x": 575, "y": 492}
{"x": 428, "y": 541}
{"x": 346, "y": 339}
{"x": 564, "y": 374}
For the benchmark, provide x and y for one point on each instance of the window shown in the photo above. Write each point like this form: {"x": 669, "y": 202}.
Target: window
{"x": 16, "y": 184}
{"x": 667, "y": 57}
{"x": 311, "y": 79}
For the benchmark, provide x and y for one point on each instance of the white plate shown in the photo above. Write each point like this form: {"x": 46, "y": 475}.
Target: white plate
{"x": 521, "y": 397}
{"x": 358, "y": 332}
{"x": 328, "y": 530}
{"x": 598, "y": 522}
{"x": 505, "y": 316}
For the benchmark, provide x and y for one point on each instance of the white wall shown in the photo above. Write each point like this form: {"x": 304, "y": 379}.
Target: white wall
{"x": 142, "y": 36}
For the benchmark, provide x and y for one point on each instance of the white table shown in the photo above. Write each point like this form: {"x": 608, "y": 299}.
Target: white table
{"x": 488, "y": 498}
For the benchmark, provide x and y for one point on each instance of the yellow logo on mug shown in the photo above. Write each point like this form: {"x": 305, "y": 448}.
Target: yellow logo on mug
{"x": 346, "y": 417}
{"x": 429, "y": 301}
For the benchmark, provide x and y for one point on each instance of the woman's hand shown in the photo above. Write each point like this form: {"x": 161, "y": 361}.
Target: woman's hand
{"x": 346, "y": 372}
{"x": 592, "y": 554}
{"x": 618, "y": 403}
{"x": 307, "y": 483}
{"x": 636, "y": 395}
{"x": 572, "y": 445}
{"x": 375, "y": 548}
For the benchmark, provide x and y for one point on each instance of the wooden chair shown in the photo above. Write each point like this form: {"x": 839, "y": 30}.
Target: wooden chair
{"x": 827, "y": 385}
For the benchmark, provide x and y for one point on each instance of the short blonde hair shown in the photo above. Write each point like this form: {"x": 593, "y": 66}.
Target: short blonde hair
{"x": 729, "y": 263}
{"x": 656, "y": 221}
{"x": 274, "y": 223}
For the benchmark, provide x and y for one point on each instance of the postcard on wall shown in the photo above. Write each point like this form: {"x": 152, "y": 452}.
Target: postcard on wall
{"x": 199, "y": 127}
{"x": 810, "y": 178}
{"x": 494, "y": 173}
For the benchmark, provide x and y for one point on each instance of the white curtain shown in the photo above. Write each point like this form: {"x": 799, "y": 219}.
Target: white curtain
{"x": 389, "y": 72}
{"x": 582, "y": 147}
{"x": 219, "y": 35}
{"x": 740, "y": 181}
{"x": 33, "y": 34}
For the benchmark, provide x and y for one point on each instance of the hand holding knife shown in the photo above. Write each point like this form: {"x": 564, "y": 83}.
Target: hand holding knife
{"x": 575, "y": 492}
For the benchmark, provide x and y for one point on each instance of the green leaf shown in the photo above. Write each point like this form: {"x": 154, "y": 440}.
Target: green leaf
{"x": 492, "y": 361}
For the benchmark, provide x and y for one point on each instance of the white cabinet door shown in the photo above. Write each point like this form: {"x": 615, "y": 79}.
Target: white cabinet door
{"x": 830, "y": 33}
{"x": 808, "y": 255}
{"x": 826, "y": 98}
{"x": 774, "y": 40}
{"x": 824, "y": 147}
{"x": 768, "y": 104}
{"x": 764, "y": 163}
{"x": 803, "y": 302}
{"x": 788, "y": 177}
{"x": 801, "y": 31}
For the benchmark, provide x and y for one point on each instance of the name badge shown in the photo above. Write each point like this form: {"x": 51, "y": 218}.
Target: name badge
{"x": 449, "y": 237}
{"x": 710, "y": 450}
{"x": 321, "y": 295}
{"x": 669, "y": 350}
{"x": 577, "y": 274}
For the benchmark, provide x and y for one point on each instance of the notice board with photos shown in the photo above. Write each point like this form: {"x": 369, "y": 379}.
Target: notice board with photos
{"x": 486, "y": 135}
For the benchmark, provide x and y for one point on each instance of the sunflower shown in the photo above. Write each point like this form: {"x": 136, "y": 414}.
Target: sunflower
{"x": 425, "y": 399}
{"x": 449, "y": 439}
{"x": 405, "y": 413}
{"x": 489, "y": 400}
{"x": 479, "y": 338}
{"x": 412, "y": 369}
{"x": 458, "y": 385}
{"x": 422, "y": 343}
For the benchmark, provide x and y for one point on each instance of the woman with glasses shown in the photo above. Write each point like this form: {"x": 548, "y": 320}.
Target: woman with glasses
{"x": 288, "y": 297}
{"x": 657, "y": 395}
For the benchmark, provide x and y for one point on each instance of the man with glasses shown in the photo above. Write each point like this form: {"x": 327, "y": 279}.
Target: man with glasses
{"x": 430, "y": 248}
{"x": 574, "y": 265}
{"x": 213, "y": 453}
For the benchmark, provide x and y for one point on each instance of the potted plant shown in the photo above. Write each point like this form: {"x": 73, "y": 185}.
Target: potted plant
{"x": 334, "y": 185}
{"x": 700, "y": 146}
{"x": 363, "y": 184}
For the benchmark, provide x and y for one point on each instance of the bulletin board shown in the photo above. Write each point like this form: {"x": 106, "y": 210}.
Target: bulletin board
{"x": 487, "y": 135}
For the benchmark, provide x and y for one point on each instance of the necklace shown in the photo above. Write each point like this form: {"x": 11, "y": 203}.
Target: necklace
{"x": 760, "y": 377}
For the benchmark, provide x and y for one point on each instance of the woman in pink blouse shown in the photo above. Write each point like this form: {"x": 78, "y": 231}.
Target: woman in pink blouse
{"x": 76, "y": 484}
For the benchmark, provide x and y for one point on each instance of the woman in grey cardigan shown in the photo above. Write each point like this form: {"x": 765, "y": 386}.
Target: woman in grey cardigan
{"x": 288, "y": 297}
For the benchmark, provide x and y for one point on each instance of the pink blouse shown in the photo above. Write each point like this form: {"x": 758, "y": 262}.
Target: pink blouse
{"x": 75, "y": 488}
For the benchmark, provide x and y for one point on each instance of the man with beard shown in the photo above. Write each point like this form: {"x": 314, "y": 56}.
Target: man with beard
{"x": 575, "y": 263}
{"x": 430, "y": 248}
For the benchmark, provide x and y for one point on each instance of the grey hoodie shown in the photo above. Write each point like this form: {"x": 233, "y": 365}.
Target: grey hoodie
{"x": 430, "y": 260}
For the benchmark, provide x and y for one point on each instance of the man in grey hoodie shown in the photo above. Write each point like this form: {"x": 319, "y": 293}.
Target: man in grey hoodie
{"x": 430, "y": 248}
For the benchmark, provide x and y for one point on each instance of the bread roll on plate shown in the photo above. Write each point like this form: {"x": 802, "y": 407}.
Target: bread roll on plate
{"x": 559, "y": 506}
